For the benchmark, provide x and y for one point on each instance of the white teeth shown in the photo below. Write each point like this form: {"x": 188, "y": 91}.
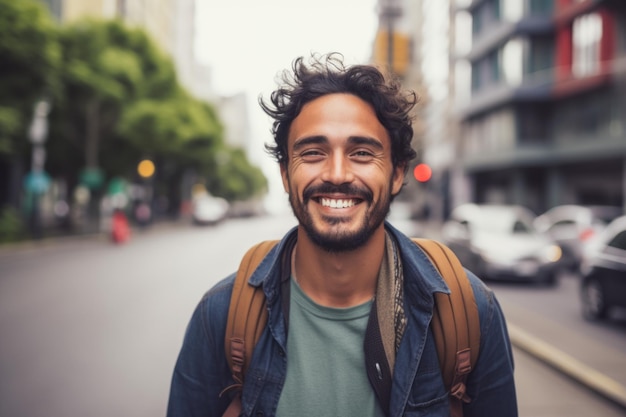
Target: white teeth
{"x": 332, "y": 203}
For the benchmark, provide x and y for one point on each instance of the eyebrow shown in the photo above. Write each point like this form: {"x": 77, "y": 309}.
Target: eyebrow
{"x": 354, "y": 140}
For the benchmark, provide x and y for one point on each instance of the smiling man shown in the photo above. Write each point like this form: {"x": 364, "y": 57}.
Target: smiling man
{"x": 343, "y": 279}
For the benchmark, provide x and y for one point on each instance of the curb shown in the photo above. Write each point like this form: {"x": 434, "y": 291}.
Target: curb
{"x": 28, "y": 244}
{"x": 568, "y": 365}
{"x": 51, "y": 241}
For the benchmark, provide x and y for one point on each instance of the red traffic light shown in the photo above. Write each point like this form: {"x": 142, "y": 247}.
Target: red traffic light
{"x": 422, "y": 172}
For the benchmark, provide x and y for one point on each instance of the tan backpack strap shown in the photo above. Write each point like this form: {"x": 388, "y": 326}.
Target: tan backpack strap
{"x": 455, "y": 324}
{"x": 247, "y": 315}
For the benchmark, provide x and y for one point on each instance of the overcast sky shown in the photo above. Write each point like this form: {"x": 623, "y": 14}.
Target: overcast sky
{"x": 247, "y": 42}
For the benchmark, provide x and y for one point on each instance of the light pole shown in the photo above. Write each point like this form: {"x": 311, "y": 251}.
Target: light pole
{"x": 37, "y": 180}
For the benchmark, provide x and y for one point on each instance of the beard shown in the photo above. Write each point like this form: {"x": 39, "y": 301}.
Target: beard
{"x": 340, "y": 239}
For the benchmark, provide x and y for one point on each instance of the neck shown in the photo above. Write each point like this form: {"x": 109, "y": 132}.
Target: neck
{"x": 342, "y": 279}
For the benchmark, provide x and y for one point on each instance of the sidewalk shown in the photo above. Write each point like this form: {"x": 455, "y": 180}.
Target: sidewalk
{"x": 6, "y": 249}
{"x": 600, "y": 368}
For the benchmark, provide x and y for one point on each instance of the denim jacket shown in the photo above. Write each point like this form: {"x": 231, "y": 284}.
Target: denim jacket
{"x": 201, "y": 371}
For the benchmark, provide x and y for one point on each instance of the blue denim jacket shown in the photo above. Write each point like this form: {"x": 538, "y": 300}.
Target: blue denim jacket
{"x": 201, "y": 371}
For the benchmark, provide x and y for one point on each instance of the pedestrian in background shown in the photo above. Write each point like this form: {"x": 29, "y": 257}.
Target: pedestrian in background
{"x": 343, "y": 144}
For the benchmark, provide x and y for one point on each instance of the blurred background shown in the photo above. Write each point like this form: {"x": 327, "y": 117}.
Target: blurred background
{"x": 133, "y": 176}
{"x": 131, "y": 105}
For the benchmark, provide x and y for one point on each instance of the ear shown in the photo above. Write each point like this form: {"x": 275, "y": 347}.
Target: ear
{"x": 397, "y": 180}
{"x": 285, "y": 177}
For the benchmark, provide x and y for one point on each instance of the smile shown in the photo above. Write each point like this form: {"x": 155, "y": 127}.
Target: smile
{"x": 337, "y": 203}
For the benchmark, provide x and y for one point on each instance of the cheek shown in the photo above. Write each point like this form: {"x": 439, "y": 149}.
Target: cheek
{"x": 292, "y": 182}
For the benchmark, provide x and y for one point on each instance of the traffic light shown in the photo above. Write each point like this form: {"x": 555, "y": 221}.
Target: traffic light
{"x": 146, "y": 168}
{"x": 422, "y": 172}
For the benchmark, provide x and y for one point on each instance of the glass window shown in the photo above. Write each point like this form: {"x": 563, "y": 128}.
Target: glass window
{"x": 619, "y": 241}
{"x": 493, "y": 132}
{"x": 493, "y": 72}
{"x": 562, "y": 223}
{"x": 584, "y": 116}
{"x": 463, "y": 83}
{"x": 512, "y": 11}
{"x": 520, "y": 227}
{"x": 496, "y": 11}
{"x": 463, "y": 35}
{"x": 541, "y": 7}
{"x": 541, "y": 58}
{"x": 587, "y": 33}
{"x": 513, "y": 62}
{"x": 534, "y": 123}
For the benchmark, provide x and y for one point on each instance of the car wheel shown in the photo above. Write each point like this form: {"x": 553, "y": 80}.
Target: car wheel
{"x": 593, "y": 300}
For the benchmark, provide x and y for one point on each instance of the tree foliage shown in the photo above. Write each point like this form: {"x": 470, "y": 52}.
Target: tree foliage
{"x": 236, "y": 178}
{"x": 108, "y": 66}
{"x": 115, "y": 100}
{"x": 180, "y": 127}
{"x": 29, "y": 63}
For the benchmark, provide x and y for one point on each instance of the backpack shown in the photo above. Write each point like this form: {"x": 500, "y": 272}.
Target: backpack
{"x": 455, "y": 323}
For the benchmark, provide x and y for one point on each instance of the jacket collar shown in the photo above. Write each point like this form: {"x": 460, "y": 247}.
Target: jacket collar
{"x": 415, "y": 265}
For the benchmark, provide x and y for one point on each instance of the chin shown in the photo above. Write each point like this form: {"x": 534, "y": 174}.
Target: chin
{"x": 340, "y": 239}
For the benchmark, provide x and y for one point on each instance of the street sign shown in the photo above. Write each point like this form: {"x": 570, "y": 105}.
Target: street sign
{"x": 91, "y": 178}
{"x": 37, "y": 182}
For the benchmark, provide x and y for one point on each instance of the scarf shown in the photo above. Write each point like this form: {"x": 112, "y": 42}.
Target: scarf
{"x": 389, "y": 301}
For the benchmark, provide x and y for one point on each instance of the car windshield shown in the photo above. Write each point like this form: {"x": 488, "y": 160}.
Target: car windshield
{"x": 501, "y": 222}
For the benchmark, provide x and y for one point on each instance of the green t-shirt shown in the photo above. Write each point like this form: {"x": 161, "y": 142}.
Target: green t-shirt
{"x": 325, "y": 361}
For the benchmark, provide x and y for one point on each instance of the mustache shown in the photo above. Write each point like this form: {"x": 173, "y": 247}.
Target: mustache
{"x": 362, "y": 193}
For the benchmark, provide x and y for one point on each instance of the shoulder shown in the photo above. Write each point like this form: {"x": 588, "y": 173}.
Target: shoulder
{"x": 216, "y": 300}
{"x": 486, "y": 301}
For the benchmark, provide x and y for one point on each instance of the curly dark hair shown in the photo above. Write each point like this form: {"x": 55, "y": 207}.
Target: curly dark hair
{"x": 326, "y": 74}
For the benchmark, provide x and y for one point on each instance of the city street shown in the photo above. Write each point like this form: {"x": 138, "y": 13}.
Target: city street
{"x": 90, "y": 328}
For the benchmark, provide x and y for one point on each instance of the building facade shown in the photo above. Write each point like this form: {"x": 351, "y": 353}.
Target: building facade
{"x": 545, "y": 119}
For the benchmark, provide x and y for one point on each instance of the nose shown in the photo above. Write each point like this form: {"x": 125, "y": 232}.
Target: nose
{"x": 338, "y": 170}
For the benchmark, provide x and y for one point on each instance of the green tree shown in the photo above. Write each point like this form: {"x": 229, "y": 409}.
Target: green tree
{"x": 122, "y": 102}
{"x": 29, "y": 63}
{"x": 236, "y": 179}
{"x": 178, "y": 134}
{"x": 181, "y": 128}
{"x": 107, "y": 66}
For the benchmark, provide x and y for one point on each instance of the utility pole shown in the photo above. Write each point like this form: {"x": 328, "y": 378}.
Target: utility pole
{"x": 390, "y": 12}
{"x": 37, "y": 180}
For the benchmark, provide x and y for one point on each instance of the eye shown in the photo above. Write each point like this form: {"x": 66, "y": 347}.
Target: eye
{"x": 362, "y": 154}
{"x": 311, "y": 155}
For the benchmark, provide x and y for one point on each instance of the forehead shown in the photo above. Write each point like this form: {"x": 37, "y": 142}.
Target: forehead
{"x": 338, "y": 116}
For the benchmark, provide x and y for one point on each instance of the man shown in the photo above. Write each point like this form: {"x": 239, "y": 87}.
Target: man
{"x": 343, "y": 143}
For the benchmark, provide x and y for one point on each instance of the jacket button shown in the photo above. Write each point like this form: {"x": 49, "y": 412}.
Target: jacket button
{"x": 260, "y": 413}
{"x": 281, "y": 352}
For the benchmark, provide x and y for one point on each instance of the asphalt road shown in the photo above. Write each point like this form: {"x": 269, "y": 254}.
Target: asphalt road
{"x": 89, "y": 328}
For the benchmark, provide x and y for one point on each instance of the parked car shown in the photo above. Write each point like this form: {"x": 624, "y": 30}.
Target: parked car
{"x": 499, "y": 242}
{"x": 207, "y": 209}
{"x": 603, "y": 285}
{"x": 574, "y": 226}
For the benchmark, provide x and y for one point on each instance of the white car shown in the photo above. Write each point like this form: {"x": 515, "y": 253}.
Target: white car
{"x": 207, "y": 209}
{"x": 573, "y": 227}
{"x": 499, "y": 242}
